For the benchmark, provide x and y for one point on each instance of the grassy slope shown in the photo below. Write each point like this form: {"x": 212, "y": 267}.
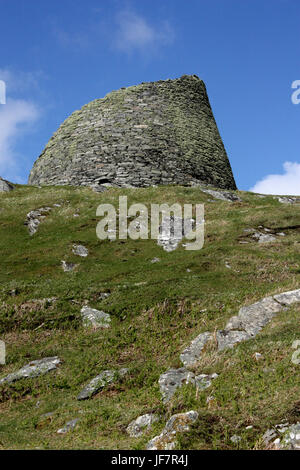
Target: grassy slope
{"x": 151, "y": 322}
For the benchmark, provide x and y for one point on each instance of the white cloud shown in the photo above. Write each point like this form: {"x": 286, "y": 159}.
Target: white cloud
{"x": 18, "y": 81}
{"x": 135, "y": 33}
{"x": 286, "y": 184}
{"x": 15, "y": 117}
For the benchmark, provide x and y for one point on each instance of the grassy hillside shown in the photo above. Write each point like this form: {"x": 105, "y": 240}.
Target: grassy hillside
{"x": 156, "y": 310}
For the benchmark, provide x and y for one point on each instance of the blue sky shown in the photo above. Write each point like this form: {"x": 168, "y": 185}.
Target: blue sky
{"x": 55, "y": 56}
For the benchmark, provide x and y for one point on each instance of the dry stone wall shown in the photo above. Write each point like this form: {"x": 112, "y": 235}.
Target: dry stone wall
{"x": 154, "y": 133}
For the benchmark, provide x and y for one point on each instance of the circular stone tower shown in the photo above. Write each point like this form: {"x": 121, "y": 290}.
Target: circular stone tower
{"x": 155, "y": 133}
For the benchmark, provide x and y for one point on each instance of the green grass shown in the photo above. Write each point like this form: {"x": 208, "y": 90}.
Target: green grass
{"x": 156, "y": 309}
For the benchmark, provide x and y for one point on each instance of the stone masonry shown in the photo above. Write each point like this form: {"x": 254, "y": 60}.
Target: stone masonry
{"x": 154, "y": 133}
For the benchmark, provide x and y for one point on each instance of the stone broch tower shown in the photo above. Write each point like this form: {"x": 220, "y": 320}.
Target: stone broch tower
{"x": 155, "y": 133}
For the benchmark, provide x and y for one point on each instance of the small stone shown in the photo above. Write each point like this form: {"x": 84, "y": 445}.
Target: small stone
{"x": 106, "y": 377}
{"x": 80, "y": 250}
{"x": 69, "y": 426}
{"x": 263, "y": 237}
{"x": 258, "y": 356}
{"x": 155, "y": 260}
{"x": 143, "y": 423}
{"x": 68, "y": 267}
{"x": 104, "y": 295}
{"x": 95, "y": 318}
{"x": 235, "y": 438}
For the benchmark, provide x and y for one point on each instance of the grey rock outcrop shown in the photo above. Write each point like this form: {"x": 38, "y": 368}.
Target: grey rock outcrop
{"x": 178, "y": 423}
{"x": 5, "y": 186}
{"x": 251, "y": 319}
{"x": 106, "y": 377}
{"x": 35, "y": 217}
{"x": 283, "y": 437}
{"x": 222, "y": 195}
{"x": 173, "y": 379}
{"x": 95, "y": 318}
{"x": 69, "y": 426}
{"x": 142, "y": 424}
{"x": 33, "y": 369}
{"x": 154, "y": 133}
{"x": 288, "y": 199}
{"x": 246, "y": 325}
{"x": 190, "y": 356}
{"x": 264, "y": 237}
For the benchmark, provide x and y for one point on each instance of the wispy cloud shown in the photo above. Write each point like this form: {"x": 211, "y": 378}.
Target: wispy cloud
{"x": 16, "y": 118}
{"x": 77, "y": 40}
{"x": 18, "y": 81}
{"x": 287, "y": 183}
{"x": 136, "y": 33}
{"x": 125, "y": 31}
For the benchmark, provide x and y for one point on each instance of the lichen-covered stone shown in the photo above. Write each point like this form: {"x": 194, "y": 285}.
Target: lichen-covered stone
{"x": 100, "y": 381}
{"x": 172, "y": 379}
{"x": 95, "y": 318}
{"x": 80, "y": 250}
{"x": 35, "y": 217}
{"x": 190, "y": 356}
{"x": 69, "y": 426}
{"x": 33, "y": 369}
{"x": 154, "y": 133}
{"x": 143, "y": 423}
{"x": 178, "y": 423}
{"x": 288, "y": 298}
{"x": 227, "y": 339}
{"x": 203, "y": 381}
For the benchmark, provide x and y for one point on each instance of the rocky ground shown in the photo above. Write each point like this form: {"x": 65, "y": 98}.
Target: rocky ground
{"x": 138, "y": 344}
